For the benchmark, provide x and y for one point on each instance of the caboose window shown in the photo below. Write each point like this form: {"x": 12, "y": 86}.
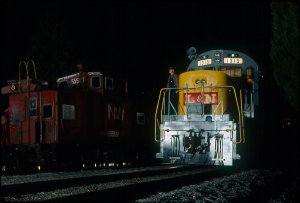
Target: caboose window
{"x": 47, "y": 111}
{"x": 109, "y": 83}
{"x": 95, "y": 82}
{"x": 63, "y": 84}
{"x": 32, "y": 106}
{"x": 68, "y": 112}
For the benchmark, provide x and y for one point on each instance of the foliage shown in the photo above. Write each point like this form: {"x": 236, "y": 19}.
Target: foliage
{"x": 285, "y": 49}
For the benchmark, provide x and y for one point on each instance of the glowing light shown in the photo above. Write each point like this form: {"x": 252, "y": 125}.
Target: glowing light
{"x": 39, "y": 168}
{"x": 83, "y": 165}
{"x": 204, "y": 62}
{"x": 95, "y": 165}
{"x": 233, "y": 60}
{"x": 208, "y": 118}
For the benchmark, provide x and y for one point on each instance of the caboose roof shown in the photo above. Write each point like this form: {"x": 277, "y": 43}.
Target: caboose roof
{"x": 76, "y": 75}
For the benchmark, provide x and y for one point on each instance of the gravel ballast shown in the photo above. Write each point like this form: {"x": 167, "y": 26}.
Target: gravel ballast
{"x": 249, "y": 186}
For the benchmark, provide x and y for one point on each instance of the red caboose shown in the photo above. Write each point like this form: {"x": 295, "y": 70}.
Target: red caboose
{"x": 88, "y": 111}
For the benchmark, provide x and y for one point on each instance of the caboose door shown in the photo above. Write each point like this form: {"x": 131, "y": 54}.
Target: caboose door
{"x": 47, "y": 128}
{"x": 23, "y": 112}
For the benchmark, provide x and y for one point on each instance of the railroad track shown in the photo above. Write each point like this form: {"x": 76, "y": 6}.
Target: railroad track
{"x": 109, "y": 185}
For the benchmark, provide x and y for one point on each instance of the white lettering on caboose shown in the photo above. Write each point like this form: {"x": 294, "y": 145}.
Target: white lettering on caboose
{"x": 115, "y": 112}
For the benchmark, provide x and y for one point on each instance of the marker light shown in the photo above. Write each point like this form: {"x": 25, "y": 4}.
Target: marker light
{"x": 208, "y": 118}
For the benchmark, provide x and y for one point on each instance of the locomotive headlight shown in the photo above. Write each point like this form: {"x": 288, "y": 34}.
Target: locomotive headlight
{"x": 198, "y": 82}
{"x": 233, "y": 55}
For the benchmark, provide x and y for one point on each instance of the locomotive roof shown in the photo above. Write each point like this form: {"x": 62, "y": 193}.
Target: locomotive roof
{"x": 217, "y": 59}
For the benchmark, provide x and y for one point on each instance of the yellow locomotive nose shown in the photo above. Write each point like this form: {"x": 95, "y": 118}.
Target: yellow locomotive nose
{"x": 201, "y": 91}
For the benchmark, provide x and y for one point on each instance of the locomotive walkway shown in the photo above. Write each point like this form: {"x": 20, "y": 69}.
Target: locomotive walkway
{"x": 106, "y": 184}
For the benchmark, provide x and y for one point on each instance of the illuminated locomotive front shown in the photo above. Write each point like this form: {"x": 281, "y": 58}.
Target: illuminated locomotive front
{"x": 219, "y": 89}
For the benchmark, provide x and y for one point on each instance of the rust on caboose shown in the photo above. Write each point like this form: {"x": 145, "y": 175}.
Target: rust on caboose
{"x": 31, "y": 112}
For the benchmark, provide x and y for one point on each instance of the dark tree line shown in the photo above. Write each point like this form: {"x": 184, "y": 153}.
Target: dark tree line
{"x": 51, "y": 49}
{"x": 285, "y": 49}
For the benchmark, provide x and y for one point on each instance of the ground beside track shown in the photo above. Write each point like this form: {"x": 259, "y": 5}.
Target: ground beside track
{"x": 110, "y": 187}
{"x": 256, "y": 185}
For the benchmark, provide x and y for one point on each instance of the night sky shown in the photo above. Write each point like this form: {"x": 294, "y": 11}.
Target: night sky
{"x": 138, "y": 39}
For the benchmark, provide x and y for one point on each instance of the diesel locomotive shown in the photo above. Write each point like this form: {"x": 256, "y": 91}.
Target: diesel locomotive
{"x": 88, "y": 118}
{"x": 206, "y": 122}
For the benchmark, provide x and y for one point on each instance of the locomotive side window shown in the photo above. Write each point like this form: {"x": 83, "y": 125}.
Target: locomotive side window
{"x": 232, "y": 71}
{"x": 95, "y": 82}
{"x": 109, "y": 83}
{"x": 140, "y": 118}
{"x": 32, "y": 106}
{"x": 68, "y": 112}
{"x": 47, "y": 111}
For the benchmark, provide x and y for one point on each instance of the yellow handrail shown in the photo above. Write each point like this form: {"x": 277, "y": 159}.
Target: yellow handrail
{"x": 26, "y": 67}
{"x": 162, "y": 105}
{"x": 238, "y": 108}
{"x": 155, "y": 116}
{"x": 239, "y": 111}
{"x": 243, "y": 130}
{"x": 33, "y": 66}
{"x": 157, "y": 105}
{"x": 240, "y": 115}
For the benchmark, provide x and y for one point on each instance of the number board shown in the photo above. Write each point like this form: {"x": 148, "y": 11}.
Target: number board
{"x": 233, "y": 60}
{"x": 204, "y": 62}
